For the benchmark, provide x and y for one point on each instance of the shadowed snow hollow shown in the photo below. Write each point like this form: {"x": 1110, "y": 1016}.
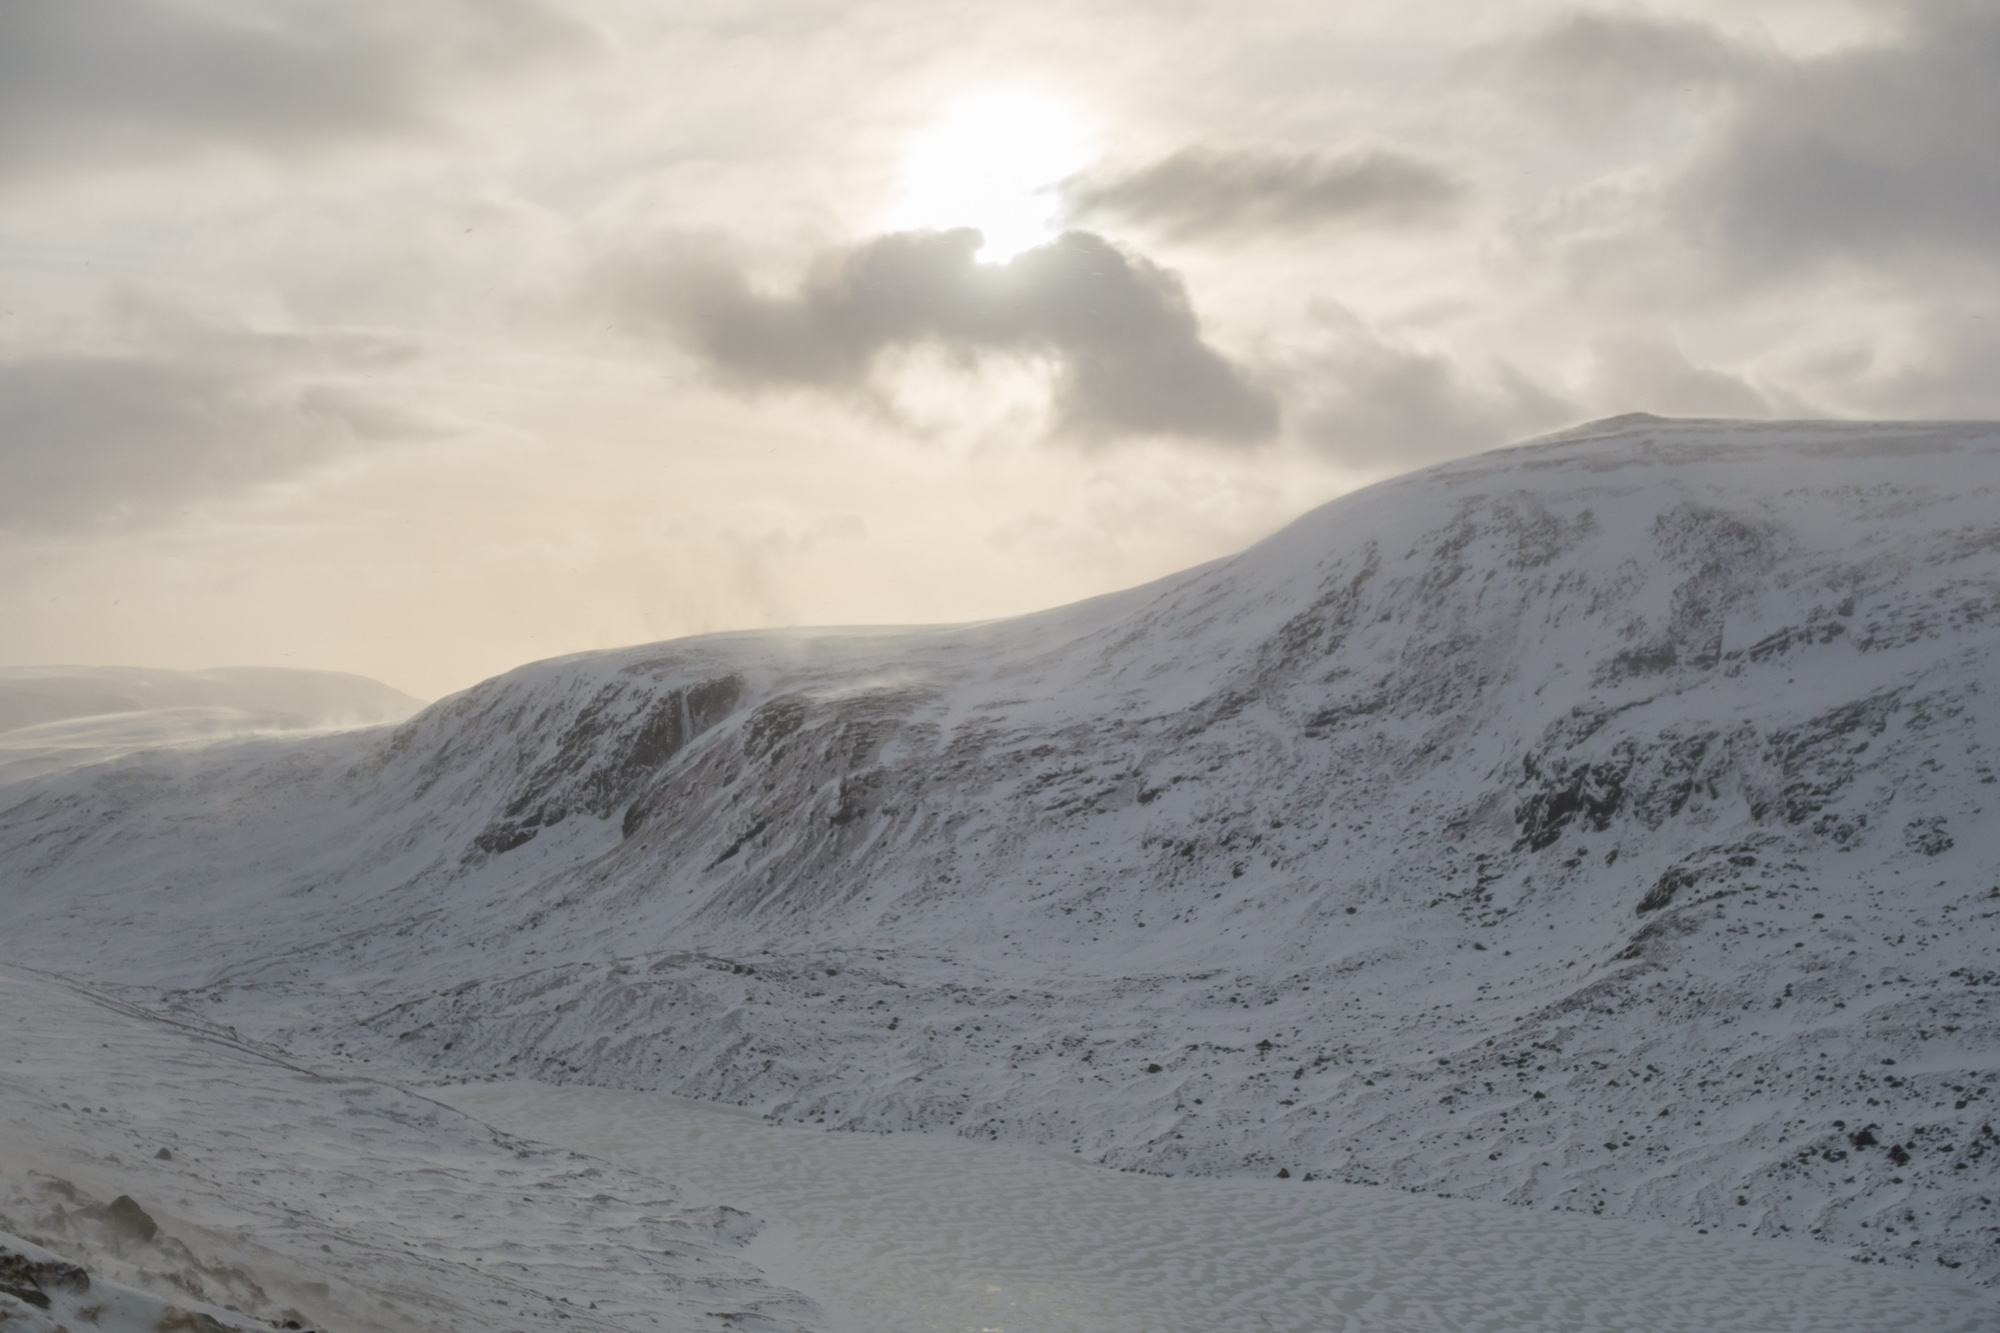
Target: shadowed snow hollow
{"x": 1607, "y": 824}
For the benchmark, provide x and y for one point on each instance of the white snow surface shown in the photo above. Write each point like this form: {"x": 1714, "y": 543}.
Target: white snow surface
{"x": 917, "y": 1233}
{"x": 1604, "y": 825}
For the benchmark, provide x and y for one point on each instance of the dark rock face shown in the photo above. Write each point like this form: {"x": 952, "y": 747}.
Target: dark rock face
{"x": 605, "y": 754}
{"x": 1662, "y": 893}
{"x": 32, "y": 1280}
{"x": 1592, "y": 792}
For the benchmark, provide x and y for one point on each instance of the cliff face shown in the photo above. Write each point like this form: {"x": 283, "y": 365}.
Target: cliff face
{"x": 1606, "y": 823}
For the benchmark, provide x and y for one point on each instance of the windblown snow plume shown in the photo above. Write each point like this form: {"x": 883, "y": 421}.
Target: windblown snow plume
{"x": 58, "y": 717}
{"x": 1606, "y": 824}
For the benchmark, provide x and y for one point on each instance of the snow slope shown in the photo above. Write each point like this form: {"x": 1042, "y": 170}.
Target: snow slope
{"x": 1604, "y": 824}
{"x": 277, "y": 1196}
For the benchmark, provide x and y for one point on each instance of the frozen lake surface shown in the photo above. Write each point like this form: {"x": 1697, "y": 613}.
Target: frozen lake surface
{"x": 930, "y": 1233}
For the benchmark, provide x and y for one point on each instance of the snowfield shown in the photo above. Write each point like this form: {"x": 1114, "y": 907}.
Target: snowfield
{"x": 276, "y": 1198}
{"x": 1606, "y": 825}
{"x": 914, "y": 1233}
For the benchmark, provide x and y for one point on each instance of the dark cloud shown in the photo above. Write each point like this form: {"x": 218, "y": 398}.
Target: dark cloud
{"x": 1127, "y": 346}
{"x": 1614, "y": 58}
{"x": 1214, "y": 192}
{"x": 1872, "y": 153}
{"x": 121, "y": 81}
{"x": 97, "y": 440}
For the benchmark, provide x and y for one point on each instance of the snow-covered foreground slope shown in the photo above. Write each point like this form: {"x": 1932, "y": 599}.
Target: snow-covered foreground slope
{"x": 41, "y": 1292}
{"x": 1606, "y": 824}
{"x": 268, "y": 1195}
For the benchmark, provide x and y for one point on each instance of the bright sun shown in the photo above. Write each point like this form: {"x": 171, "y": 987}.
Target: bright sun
{"x": 992, "y": 163}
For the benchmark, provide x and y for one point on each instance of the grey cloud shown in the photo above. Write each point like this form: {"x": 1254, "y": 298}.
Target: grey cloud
{"x": 1213, "y": 192}
{"x": 112, "y": 440}
{"x": 1125, "y": 340}
{"x": 1868, "y": 153}
{"x": 1371, "y": 402}
{"x": 1636, "y": 373}
{"x": 119, "y": 81}
{"x": 1944, "y": 368}
{"x": 1613, "y": 58}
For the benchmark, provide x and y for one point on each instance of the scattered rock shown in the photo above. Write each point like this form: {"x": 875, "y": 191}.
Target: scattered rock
{"x": 732, "y": 1226}
{"x": 1663, "y": 891}
{"x": 1927, "y": 836}
{"x": 125, "y": 1217}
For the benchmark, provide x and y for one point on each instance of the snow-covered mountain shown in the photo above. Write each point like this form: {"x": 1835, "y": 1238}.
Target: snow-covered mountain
{"x": 1607, "y": 824}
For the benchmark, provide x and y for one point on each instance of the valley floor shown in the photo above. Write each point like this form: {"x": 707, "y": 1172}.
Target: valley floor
{"x": 363, "y": 1199}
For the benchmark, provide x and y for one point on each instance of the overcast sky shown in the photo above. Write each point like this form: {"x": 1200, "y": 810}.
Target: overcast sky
{"x": 424, "y": 340}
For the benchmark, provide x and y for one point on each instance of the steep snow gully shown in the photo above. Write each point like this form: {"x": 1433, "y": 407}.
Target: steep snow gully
{"x": 1606, "y": 824}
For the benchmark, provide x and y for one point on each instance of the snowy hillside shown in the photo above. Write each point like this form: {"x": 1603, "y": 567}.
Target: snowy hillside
{"x": 1606, "y": 824}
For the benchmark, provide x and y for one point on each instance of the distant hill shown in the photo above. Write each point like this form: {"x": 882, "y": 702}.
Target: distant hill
{"x": 36, "y": 696}
{"x": 53, "y": 718}
{"x": 1608, "y": 823}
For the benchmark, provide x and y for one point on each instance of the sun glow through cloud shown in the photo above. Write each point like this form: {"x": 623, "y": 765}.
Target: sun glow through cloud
{"x": 565, "y": 324}
{"x": 993, "y": 163}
